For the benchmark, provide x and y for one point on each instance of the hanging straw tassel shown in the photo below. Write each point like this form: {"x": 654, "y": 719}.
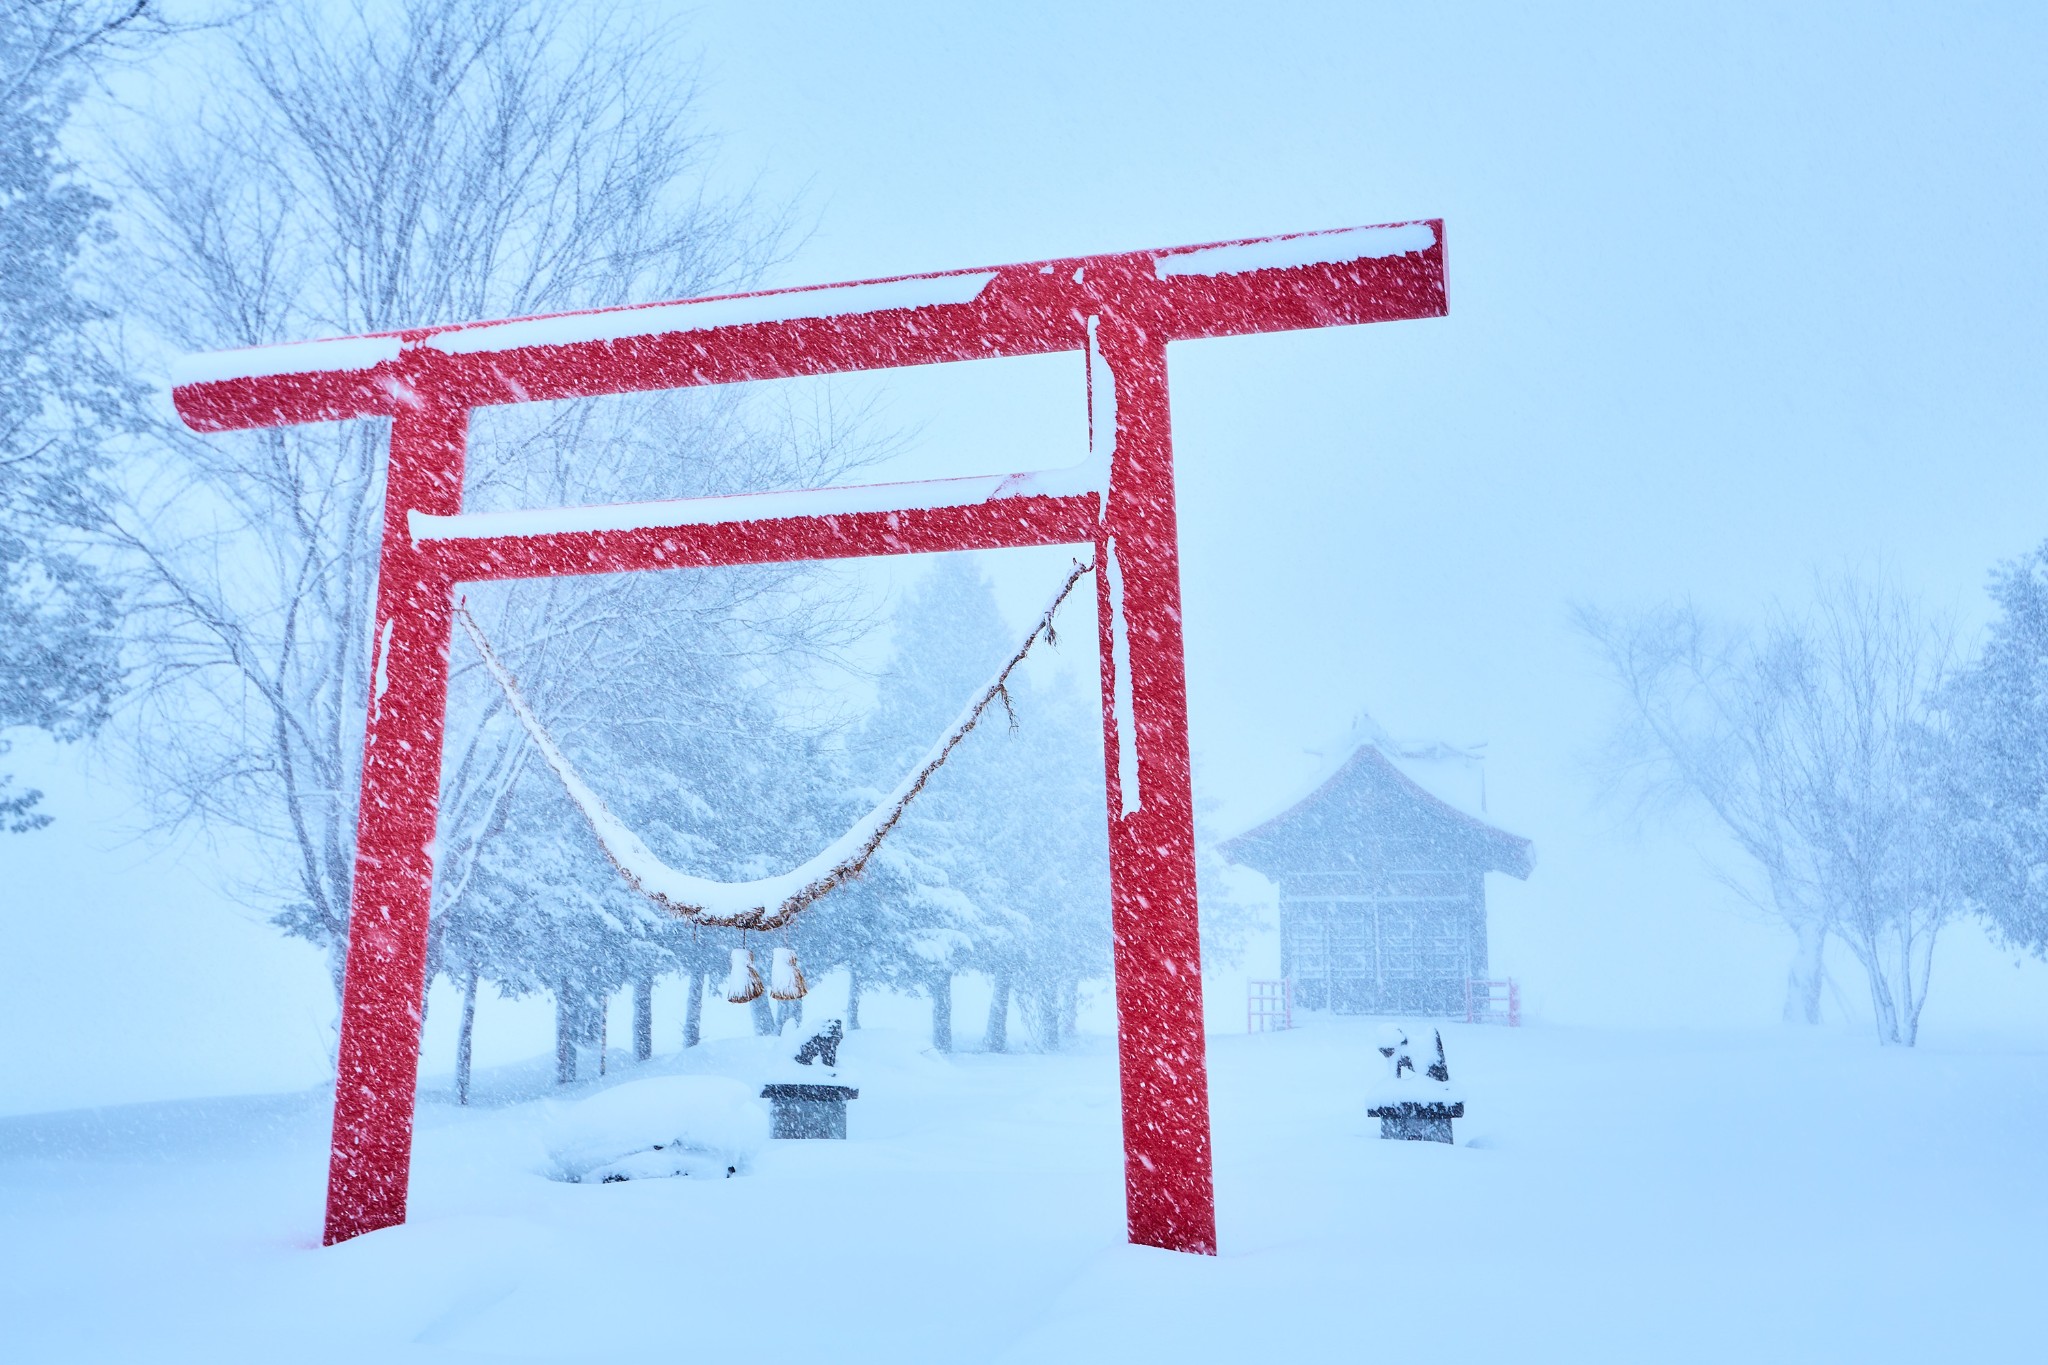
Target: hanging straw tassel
{"x": 786, "y": 979}
{"x": 742, "y": 983}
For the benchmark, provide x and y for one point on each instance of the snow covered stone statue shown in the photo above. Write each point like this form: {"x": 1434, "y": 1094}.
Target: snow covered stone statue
{"x": 815, "y": 1106}
{"x": 1413, "y": 1102}
{"x": 822, "y": 1046}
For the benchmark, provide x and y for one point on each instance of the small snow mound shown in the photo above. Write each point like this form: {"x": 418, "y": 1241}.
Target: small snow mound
{"x": 702, "y": 1126}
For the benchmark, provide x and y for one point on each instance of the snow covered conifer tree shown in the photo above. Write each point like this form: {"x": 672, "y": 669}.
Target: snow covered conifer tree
{"x": 668, "y": 714}
{"x": 1047, "y": 849}
{"x": 924, "y": 909}
{"x": 60, "y": 399}
{"x": 1002, "y": 866}
{"x": 1999, "y": 705}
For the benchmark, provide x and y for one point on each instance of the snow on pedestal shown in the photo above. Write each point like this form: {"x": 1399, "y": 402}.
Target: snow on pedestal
{"x": 808, "y": 1097}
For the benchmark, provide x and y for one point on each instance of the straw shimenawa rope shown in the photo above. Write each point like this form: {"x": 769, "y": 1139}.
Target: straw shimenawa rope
{"x": 726, "y": 904}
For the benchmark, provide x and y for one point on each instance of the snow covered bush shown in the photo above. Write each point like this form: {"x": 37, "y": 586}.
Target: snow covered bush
{"x": 700, "y": 1126}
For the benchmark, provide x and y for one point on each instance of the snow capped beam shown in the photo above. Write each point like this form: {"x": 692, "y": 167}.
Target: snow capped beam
{"x": 340, "y": 355}
{"x": 1353, "y": 275}
{"x": 739, "y": 507}
{"x": 468, "y": 548}
{"x": 655, "y": 319}
{"x": 1342, "y": 247}
{"x": 993, "y": 511}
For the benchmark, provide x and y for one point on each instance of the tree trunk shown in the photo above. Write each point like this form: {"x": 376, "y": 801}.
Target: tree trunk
{"x": 764, "y": 1016}
{"x": 643, "y": 1018}
{"x": 331, "y": 1037}
{"x": 1919, "y": 995}
{"x": 580, "y": 1024}
{"x": 1881, "y": 1002}
{"x": 565, "y": 1037}
{"x": 693, "y": 1013}
{"x": 1046, "y": 1006}
{"x": 1070, "y": 1009}
{"x": 1803, "y": 981}
{"x": 786, "y": 1010}
{"x": 853, "y": 1000}
{"x": 997, "y": 1039}
{"x": 942, "y": 1011}
{"x": 465, "y": 1040}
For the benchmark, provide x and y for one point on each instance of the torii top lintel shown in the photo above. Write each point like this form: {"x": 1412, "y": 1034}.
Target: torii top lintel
{"x": 1307, "y": 280}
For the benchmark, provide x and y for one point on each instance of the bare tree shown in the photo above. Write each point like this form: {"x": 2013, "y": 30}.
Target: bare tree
{"x": 1817, "y": 745}
{"x": 1865, "y": 749}
{"x": 1699, "y": 724}
{"x": 46, "y": 39}
{"x": 357, "y": 168}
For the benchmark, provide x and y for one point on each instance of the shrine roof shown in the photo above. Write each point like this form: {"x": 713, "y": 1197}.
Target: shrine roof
{"x": 1374, "y": 787}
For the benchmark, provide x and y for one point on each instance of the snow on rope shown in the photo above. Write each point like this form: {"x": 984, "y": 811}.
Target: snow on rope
{"x": 767, "y": 902}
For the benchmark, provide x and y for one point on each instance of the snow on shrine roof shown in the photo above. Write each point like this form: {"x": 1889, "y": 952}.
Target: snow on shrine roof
{"x": 1442, "y": 781}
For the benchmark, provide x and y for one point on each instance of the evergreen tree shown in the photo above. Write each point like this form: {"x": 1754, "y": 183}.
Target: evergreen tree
{"x": 1001, "y": 865}
{"x": 1048, "y": 846}
{"x": 667, "y": 705}
{"x": 914, "y": 920}
{"x": 1999, "y": 780}
{"x": 60, "y": 401}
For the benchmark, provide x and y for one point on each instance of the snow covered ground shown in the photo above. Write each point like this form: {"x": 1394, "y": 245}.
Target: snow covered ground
{"x": 1613, "y": 1196}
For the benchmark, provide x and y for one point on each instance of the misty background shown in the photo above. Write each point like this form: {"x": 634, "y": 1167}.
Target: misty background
{"x": 1736, "y": 297}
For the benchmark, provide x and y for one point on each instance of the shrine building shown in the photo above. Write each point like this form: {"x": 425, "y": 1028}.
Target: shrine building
{"x": 1381, "y": 870}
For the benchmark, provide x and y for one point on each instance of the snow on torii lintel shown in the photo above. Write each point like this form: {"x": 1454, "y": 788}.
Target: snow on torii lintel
{"x": 356, "y": 354}
{"x": 654, "y": 319}
{"x": 1078, "y": 480}
{"x": 1340, "y": 247}
{"x": 336, "y": 355}
{"x": 341, "y": 354}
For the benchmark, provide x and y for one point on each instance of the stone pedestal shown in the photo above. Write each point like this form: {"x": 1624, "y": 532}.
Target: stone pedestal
{"x": 1418, "y": 1120}
{"x": 808, "y": 1111}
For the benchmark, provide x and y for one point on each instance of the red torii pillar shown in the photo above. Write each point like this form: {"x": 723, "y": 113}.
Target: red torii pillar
{"x": 1122, "y": 310}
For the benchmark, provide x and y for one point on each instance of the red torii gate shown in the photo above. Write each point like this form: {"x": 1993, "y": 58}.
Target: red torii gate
{"x": 1122, "y": 310}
